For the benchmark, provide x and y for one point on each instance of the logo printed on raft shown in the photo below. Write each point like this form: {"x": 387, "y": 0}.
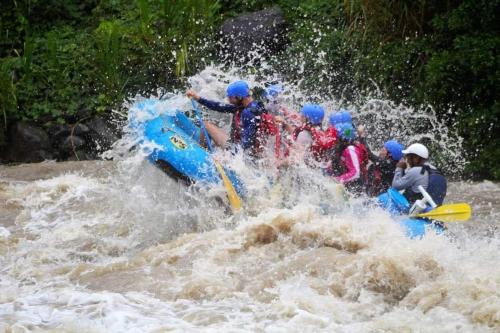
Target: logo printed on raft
{"x": 178, "y": 142}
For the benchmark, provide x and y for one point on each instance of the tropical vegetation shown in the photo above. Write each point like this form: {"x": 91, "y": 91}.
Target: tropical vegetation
{"x": 64, "y": 60}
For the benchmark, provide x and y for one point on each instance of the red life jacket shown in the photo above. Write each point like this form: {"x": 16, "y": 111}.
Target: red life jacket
{"x": 236, "y": 127}
{"x": 323, "y": 141}
{"x": 267, "y": 127}
{"x": 331, "y": 134}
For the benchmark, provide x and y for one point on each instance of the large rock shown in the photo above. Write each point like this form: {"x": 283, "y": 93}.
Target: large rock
{"x": 80, "y": 130}
{"x": 71, "y": 143}
{"x": 263, "y": 33}
{"x": 57, "y": 134}
{"x": 101, "y": 133}
{"x": 27, "y": 143}
{"x": 65, "y": 139}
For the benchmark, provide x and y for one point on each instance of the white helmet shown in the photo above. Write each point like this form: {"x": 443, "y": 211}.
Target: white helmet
{"x": 417, "y": 149}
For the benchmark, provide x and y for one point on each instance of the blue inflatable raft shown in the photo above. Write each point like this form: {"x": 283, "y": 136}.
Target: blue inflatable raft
{"x": 395, "y": 203}
{"x": 175, "y": 145}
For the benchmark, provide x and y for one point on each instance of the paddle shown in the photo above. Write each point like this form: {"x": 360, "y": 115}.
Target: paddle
{"x": 234, "y": 199}
{"x": 202, "y": 124}
{"x": 459, "y": 212}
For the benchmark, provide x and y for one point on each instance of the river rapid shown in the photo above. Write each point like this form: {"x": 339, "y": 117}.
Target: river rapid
{"x": 118, "y": 246}
{"x": 104, "y": 247}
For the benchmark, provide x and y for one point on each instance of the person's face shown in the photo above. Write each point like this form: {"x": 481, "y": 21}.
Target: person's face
{"x": 233, "y": 100}
{"x": 383, "y": 153}
{"x": 412, "y": 159}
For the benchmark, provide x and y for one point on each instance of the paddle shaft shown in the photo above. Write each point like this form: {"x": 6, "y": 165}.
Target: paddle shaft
{"x": 202, "y": 124}
{"x": 234, "y": 199}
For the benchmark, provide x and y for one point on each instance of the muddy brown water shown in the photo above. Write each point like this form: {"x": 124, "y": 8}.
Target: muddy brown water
{"x": 101, "y": 246}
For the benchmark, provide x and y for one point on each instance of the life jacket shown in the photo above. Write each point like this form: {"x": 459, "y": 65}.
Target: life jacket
{"x": 373, "y": 183}
{"x": 237, "y": 126}
{"x": 235, "y": 135}
{"x": 436, "y": 187}
{"x": 379, "y": 177}
{"x": 437, "y": 184}
{"x": 266, "y": 126}
{"x": 292, "y": 119}
{"x": 323, "y": 141}
{"x": 363, "y": 161}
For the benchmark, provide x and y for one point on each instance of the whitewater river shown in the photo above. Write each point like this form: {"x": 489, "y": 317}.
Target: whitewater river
{"x": 119, "y": 247}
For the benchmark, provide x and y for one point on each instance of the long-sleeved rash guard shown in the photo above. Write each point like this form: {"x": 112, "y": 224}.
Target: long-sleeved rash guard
{"x": 411, "y": 179}
{"x": 245, "y": 120}
{"x": 351, "y": 157}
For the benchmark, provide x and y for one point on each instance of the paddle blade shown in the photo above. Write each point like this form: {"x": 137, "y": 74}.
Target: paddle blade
{"x": 234, "y": 199}
{"x": 459, "y": 212}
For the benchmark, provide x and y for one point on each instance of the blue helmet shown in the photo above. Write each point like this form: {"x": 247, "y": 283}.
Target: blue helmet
{"x": 345, "y": 116}
{"x": 273, "y": 91}
{"x": 335, "y": 119}
{"x": 314, "y": 113}
{"x": 340, "y": 117}
{"x": 238, "y": 89}
{"x": 395, "y": 149}
{"x": 345, "y": 131}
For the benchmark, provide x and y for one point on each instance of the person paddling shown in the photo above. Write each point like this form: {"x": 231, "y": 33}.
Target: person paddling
{"x": 246, "y": 122}
{"x": 420, "y": 173}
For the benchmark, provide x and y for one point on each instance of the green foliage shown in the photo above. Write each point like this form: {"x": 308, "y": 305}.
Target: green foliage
{"x": 108, "y": 60}
{"x": 238, "y": 7}
{"x": 389, "y": 19}
{"x": 64, "y": 59}
{"x": 322, "y": 73}
{"x": 8, "y": 96}
{"x": 442, "y": 53}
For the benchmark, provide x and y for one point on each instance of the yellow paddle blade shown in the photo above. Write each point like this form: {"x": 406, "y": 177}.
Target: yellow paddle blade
{"x": 449, "y": 213}
{"x": 234, "y": 199}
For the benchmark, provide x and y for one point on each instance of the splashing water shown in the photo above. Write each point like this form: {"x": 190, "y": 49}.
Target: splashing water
{"x": 119, "y": 246}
